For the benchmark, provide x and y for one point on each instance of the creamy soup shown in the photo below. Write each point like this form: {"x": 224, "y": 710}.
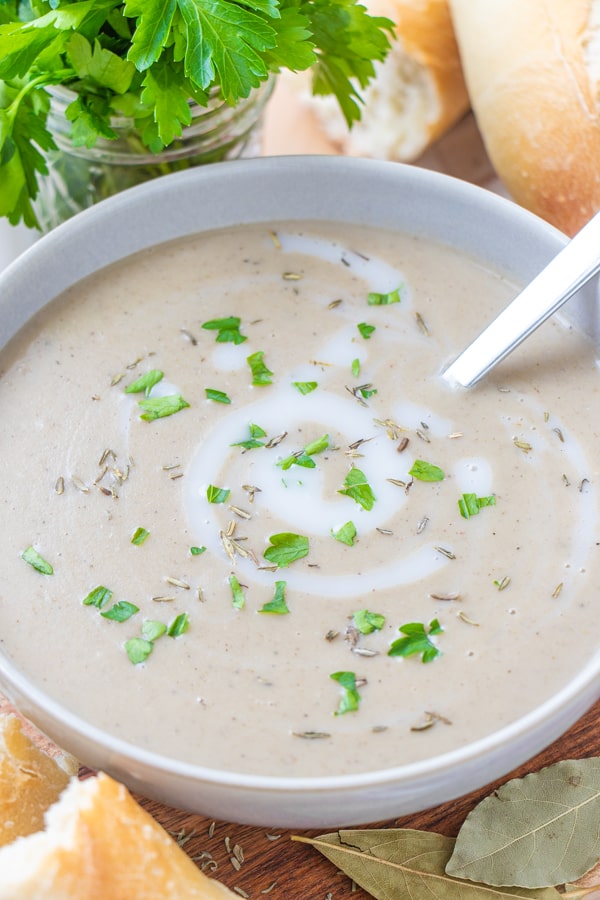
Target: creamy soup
{"x": 247, "y": 525}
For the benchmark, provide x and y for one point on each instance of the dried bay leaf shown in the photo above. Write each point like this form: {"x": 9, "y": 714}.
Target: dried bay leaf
{"x": 394, "y": 863}
{"x": 535, "y": 831}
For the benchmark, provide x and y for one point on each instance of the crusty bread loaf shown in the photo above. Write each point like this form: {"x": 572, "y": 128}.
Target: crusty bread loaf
{"x": 419, "y": 91}
{"x": 99, "y": 844}
{"x": 30, "y": 780}
{"x": 532, "y": 68}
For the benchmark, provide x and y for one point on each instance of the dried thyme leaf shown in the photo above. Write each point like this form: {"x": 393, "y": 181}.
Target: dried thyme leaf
{"x": 535, "y": 831}
{"x": 391, "y": 863}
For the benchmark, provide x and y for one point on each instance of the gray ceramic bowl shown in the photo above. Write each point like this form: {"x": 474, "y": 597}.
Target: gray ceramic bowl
{"x": 373, "y": 194}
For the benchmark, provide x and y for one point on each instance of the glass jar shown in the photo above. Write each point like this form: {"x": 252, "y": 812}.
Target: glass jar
{"x": 78, "y": 177}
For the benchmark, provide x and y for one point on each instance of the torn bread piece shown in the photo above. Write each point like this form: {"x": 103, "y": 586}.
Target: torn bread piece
{"x": 30, "y": 780}
{"x": 98, "y": 844}
{"x": 533, "y": 73}
{"x": 419, "y": 91}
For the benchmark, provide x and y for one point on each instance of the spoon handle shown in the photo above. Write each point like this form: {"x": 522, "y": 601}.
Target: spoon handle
{"x": 570, "y": 269}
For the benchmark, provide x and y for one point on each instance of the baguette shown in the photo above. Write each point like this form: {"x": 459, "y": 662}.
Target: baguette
{"x": 30, "y": 781}
{"x": 532, "y": 68}
{"x": 419, "y": 91}
{"x": 99, "y": 844}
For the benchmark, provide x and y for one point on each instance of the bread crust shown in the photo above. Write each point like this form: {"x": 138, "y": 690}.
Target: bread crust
{"x": 419, "y": 91}
{"x": 536, "y": 100}
{"x": 30, "y": 780}
{"x": 425, "y": 33}
{"x": 98, "y": 844}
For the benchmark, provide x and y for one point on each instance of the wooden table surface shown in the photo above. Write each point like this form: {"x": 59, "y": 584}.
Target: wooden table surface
{"x": 273, "y": 865}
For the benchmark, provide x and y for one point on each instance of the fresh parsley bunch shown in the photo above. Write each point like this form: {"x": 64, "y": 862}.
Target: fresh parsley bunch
{"x": 148, "y": 58}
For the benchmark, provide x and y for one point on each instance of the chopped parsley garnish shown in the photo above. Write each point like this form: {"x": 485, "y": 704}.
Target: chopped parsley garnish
{"x": 139, "y": 536}
{"x": 358, "y": 488}
{"x": 277, "y": 605}
{"x": 304, "y": 457}
{"x": 368, "y": 622}
{"x": 145, "y": 382}
{"x": 152, "y": 630}
{"x": 366, "y": 391}
{"x": 375, "y": 299}
{"x": 160, "y": 407}
{"x": 286, "y": 548}
{"x": 260, "y": 374}
{"x": 217, "y": 396}
{"x": 239, "y": 601}
{"x": 365, "y": 330}
{"x": 346, "y": 534}
{"x": 355, "y": 367}
{"x": 470, "y": 504}
{"x": 216, "y": 494}
{"x": 196, "y": 551}
{"x": 98, "y": 597}
{"x": 179, "y": 625}
{"x": 424, "y": 471}
{"x": 120, "y": 611}
{"x": 305, "y": 387}
{"x": 252, "y": 442}
{"x": 228, "y": 330}
{"x": 138, "y": 649}
{"x": 350, "y": 698}
{"x": 37, "y": 562}
{"x": 416, "y": 640}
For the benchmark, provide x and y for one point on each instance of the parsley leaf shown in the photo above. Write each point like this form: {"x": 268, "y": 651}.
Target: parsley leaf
{"x": 346, "y": 534}
{"x": 217, "y": 396}
{"x": 260, "y": 374}
{"x": 120, "y": 611}
{"x": 366, "y": 330}
{"x": 424, "y": 471}
{"x": 277, "y": 605}
{"x": 368, "y": 622}
{"x": 152, "y": 630}
{"x": 286, "y": 548}
{"x": 139, "y": 536}
{"x": 138, "y": 649}
{"x": 470, "y": 504}
{"x": 305, "y": 387}
{"x": 350, "y": 698}
{"x": 417, "y": 641}
{"x": 216, "y": 494}
{"x": 304, "y": 457}
{"x": 160, "y": 407}
{"x": 358, "y": 488}
{"x": 197, "y": 551}
{"x": 239, "y": 601}
{"x": 179, "y": 625}
{"x": 37, "y": 562}
{"x": 145, "y": 382}
{"x": 375, "y": 299}
{"x": 98, "y": 597}
{"x": 228, "y": 330}
{"x": 252, "y": 442}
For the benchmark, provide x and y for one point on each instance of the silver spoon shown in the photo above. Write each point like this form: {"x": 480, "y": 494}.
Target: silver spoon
{"x": 570, "y": 269}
